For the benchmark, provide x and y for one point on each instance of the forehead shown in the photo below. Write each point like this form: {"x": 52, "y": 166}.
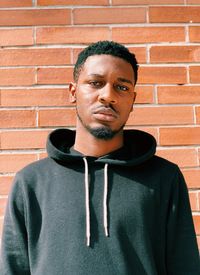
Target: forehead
{"x": 106, "y": 64}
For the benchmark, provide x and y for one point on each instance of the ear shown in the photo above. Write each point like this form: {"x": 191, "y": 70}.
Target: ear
{"x": 72, "y": 92}
{"x": 134, "y": 97}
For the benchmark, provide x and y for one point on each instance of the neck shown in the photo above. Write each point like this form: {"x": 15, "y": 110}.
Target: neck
{"x": 89, "y": 145}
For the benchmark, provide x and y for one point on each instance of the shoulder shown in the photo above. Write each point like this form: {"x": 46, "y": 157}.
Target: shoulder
{"x": 35, "y": 167}
{"x": 170, "y": 173}
{"x": 167, "y": 171}
{"x": 32, "y": 172}
{"x": 164, "y": 164}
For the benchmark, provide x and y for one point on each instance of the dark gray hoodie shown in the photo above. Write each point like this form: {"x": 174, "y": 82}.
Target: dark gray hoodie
{"x": 123, "y": 213}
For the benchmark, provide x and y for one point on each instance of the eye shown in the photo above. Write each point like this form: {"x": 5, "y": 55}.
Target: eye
{"x": 95, "y": 84}
{"x": 122, "y": 88}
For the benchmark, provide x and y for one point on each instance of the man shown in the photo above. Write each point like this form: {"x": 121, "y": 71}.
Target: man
{"x": 102, "y": 202}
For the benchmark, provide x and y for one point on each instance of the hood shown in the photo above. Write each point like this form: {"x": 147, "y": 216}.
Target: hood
{"x": 138, "y": 147}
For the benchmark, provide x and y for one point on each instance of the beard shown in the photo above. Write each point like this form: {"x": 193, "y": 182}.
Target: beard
{"x": 102, "y": 132}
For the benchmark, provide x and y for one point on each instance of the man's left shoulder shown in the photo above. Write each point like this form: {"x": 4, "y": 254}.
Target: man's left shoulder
{"x": 164, "y": 166}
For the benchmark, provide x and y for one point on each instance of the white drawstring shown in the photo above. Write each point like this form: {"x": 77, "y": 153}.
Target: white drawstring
{"x": 87, "y": 203}
{"x": 105, "y": 196}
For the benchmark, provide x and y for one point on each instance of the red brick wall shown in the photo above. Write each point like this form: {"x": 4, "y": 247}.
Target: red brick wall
{"x": 39, "y": 42}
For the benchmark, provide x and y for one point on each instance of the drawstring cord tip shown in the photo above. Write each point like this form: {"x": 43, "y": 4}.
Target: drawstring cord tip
{"x": 106, "y": 232}
{"x": 88, "y": 241}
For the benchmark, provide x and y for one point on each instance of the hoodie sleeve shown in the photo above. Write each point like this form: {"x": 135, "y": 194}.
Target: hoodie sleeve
{"x": 182, "y": 250}
{"x": 14, "y": 248}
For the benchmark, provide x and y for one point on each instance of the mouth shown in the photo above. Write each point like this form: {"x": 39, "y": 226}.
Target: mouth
{"x": 105, "y": 114}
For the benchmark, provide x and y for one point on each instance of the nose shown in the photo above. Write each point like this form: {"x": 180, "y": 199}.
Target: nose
{"x": 107, "y": 95}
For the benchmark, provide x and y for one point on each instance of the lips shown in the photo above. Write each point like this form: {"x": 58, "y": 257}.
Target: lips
{"x": 105, "y": 114}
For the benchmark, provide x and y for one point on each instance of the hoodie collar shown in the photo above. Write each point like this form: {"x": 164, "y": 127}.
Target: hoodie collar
{"x": 138, "y": 147}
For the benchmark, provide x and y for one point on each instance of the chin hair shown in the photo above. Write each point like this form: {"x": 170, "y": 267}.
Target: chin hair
{"x": 104, "y": 133}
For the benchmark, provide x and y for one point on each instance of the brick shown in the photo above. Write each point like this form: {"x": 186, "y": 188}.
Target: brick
{"x": 34, "y": 97}
{"x": 195, "y": 2}
{"x": 1, "y": 226}
{"x": 192, "y": 177}
{"x": 198, "y": 200}
{"x": 178, "y": 94}
{"x": 75, "y": 53}
{"x": 17, "y": 118}
{"x": 179, "y": 136}
{"x": 16, "y": 37}
{"x": 35, "y": 17}
{"x": 109, "y": 15}
{"x": 183, "y": 157}
{"x": 199, "y": 154}
{"x": 148, "y": 34}
{"x": 71, "y": 35}
{"x": 194, "y": 201}
{"x": 5, "y": 185}
{"x": 174, "y": 14}
{"x": 15, "y": 3}
{"x": 3, "y": 202}
{"x": 161, "y": 115}
{"x": 196, "y": 219}
{"x": 29, "y": 57}
{"x": 197, "y": 111}
{"x": 54, "y": 75}
{"x": 147, "y": 2}
{"x": 144, "y": 94}
{"x": 194, "y": 72}
{"x": 194, "y": 34}
{"x": 57, "y": 117}
{"x": 162, "y": 75}
{"x": 11, "y": 163}
{"x": 140, "y": 53}
{"x": 72, "y": 2}
{"x": 174, "y": 54}
{"x": 19, "y": 76}
{"x": 23, "y": 140}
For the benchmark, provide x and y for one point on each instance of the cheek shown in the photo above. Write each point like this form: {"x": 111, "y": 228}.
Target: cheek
{"x": 127, "y": 108}
{"x": 128, "y": 104}
{"x": 84, "y": 104}
{"x": 85, "y": 97}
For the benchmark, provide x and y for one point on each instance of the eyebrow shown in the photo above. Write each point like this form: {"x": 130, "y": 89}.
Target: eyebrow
{"x": 98, "y": 75}
{"x": 125, "y": 80}
{"x": 121, "y": 79}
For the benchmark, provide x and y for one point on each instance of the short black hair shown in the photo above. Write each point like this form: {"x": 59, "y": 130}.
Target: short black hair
{"x": 105, "y": 47}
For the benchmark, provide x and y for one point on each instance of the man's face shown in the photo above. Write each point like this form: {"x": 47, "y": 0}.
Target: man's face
{"x": 104, "y": 94}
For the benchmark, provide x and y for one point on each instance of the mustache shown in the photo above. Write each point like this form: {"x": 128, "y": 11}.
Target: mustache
{"x": 103, "y": 109}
